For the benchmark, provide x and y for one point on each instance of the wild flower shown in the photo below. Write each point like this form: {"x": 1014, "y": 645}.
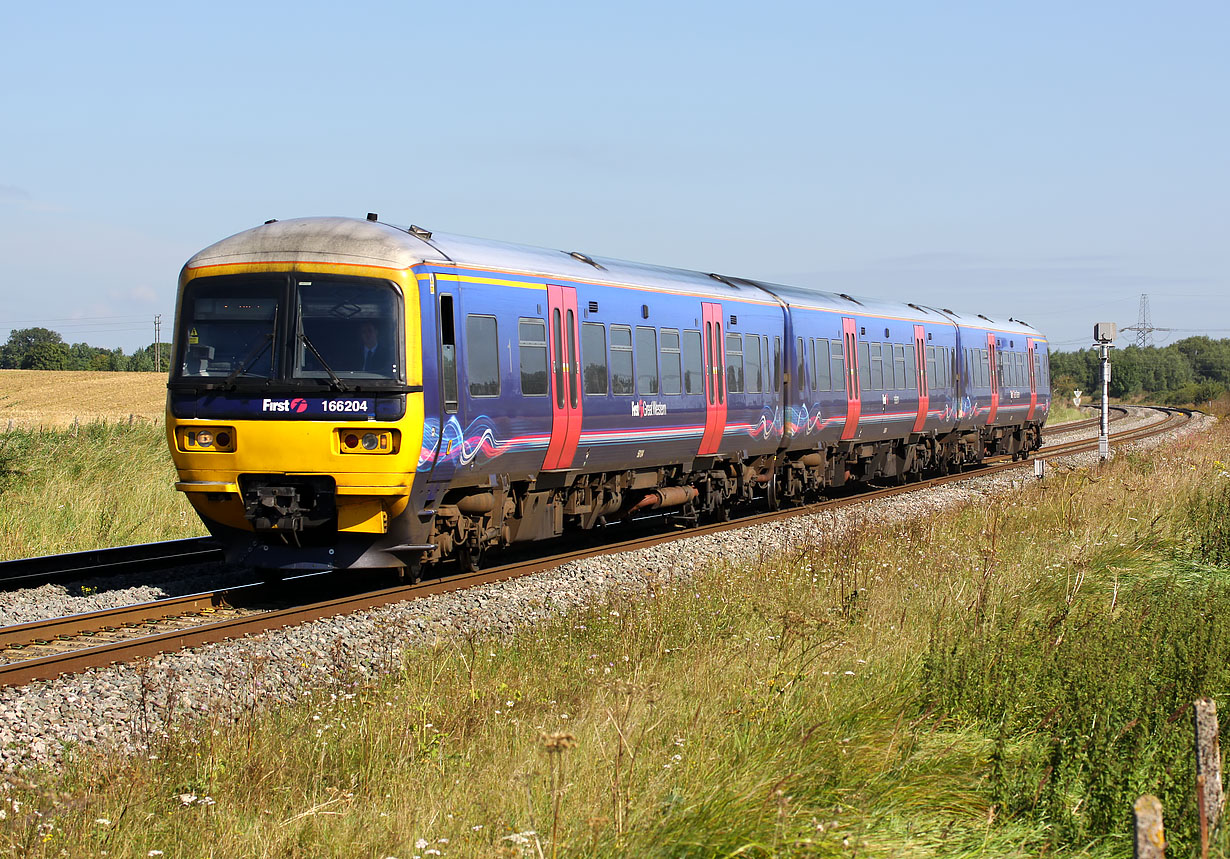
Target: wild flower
{"x": 421, "y": 843}
{"x": 102, "y": 821}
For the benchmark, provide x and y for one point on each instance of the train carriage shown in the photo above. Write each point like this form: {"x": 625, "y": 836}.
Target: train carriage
{"x": 348, "y": 393}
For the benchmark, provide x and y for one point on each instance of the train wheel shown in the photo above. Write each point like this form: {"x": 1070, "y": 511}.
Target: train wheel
{"x": 469, "y": 558}
{"x": 775, "y": 502}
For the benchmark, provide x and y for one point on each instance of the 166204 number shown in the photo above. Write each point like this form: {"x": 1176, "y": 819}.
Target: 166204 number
{"x": 344, "y": 405}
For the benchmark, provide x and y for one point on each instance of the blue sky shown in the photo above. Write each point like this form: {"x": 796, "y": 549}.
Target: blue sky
{"x": 1047, "y": 160}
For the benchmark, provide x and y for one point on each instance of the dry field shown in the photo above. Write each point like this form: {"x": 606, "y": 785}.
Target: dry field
{"x": 55, "y": 398}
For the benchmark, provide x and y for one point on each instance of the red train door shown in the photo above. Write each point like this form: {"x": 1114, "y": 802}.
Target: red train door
{"x": 920, "y": 362}
{"x": 1033, "y": 380}
{"x": 715, "y": 379}
{"x": 994, "y": 360}
{"x": 854, "y": 396}
{"x": 565, "y": 377}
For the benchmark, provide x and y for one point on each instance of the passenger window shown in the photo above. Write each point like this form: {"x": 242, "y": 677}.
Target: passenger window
{"x": 877, "y": 367}
{"x": 864, "y": 365}
{"x": 933, "y": 379}
{"x": 898, "y": 367}
{"x": 801, "y": 382}
{"x": 734, "y": 363}
{"x": 482, "y": 356}
{"x": 820, "y": 361}
{"x": 646, "y": 360}
{"x": 532, "y": 340}
{"x": 593, "y": 353}
{"x": 693, "y": 372}
{"x": 751, "y": 362}
{"x": 837, "y": 366}
{"x": 672, "y": 366}
{"x": 911, "y": 368}
{"x": 621, "y": 359}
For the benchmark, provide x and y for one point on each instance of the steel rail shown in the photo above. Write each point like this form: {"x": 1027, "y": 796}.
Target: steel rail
{"x": 49, "y": 667}
{"x": 103, "y": 562}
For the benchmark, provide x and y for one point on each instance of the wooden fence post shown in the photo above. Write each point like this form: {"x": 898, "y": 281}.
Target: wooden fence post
{"x": 1150, "y": 835}
{"x": 1208, "y": 769}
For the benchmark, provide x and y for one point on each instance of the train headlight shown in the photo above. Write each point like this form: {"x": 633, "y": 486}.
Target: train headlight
{"x": 367, "y": 441}
{"x": 206, "y": 439}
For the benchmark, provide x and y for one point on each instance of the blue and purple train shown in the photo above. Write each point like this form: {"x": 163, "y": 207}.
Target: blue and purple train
{"x": 348, "y": 393}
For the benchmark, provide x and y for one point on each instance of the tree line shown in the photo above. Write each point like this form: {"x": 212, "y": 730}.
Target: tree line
{"x": 44, "y": 349}
{"x": 1194, "y": 370}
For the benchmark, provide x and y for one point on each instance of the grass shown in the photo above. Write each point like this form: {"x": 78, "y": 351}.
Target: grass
{"x": 999, "y": 680}
{"x": 100, "y": 484}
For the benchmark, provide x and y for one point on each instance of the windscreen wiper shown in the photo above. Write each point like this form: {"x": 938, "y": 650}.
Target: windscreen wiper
{"x": 337, "y": 383}
{"x": 255, "y": 353}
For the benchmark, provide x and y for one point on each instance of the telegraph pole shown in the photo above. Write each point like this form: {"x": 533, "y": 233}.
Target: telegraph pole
{"x": 158, "y": 342}
{"x": 1104, "y": 334}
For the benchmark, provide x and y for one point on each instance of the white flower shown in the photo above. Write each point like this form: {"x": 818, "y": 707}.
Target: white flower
{"x": 154, "y": 853}
{"x": 102, "y": 821}
{"x": 187, "y": 798}
{"x": 421, "y": 843}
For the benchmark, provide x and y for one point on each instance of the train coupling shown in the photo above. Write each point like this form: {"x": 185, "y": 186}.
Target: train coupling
{"x": 279, "y": 502}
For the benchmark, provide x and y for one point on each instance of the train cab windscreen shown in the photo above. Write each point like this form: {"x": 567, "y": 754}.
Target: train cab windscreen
{"x": 347, "y": 330}
{"x": 229, "y": 329}
{"x": 339, "y": 332}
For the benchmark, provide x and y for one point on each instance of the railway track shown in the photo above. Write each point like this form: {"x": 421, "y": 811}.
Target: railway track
{"x": 46, "y": 649}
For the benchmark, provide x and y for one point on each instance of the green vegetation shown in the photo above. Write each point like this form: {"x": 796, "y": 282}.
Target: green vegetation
{"x": 100, "y": 484}
{"x": 1191, "y": 371}
{"x": 44, "y": 349}
{"x": 998, "y": 680}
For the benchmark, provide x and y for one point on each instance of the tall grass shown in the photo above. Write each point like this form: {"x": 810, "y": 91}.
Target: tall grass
{"x": 100, "y": 484}
{"x": 1000, "y": 680}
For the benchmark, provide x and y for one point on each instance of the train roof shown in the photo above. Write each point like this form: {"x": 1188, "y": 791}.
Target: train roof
{"x": 373, "y": 243}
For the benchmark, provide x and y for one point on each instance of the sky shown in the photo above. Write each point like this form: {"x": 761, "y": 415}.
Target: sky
{"x": 1051, "y": 161}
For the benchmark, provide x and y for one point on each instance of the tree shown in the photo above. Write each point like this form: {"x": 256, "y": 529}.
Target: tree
{"x": 21, "y": 341}
{"x": 46, "y": 356}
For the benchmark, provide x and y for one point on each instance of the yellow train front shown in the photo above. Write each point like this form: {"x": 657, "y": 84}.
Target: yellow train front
{"x": 295, "y": 403}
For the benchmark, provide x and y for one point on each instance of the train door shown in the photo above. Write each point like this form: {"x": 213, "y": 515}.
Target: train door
{"x": 715, "y": 379}
{"x": 920, "y": 365}
{"x": 565, "y": 375}
{"x": 1033, "y": 378}
{"x": 448, "y": 438}
{"x": 854, "y": 395}
{"x": 994, "y": 380}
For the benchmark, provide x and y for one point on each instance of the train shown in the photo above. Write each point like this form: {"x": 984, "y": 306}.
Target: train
{"x": 348, "y": 393}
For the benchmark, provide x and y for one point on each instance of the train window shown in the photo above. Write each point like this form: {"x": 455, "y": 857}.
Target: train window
{"x": 734, "y": 363}
{"x": 933, "y": 379}
{"x": 621, "y": 359}
{"x": 837, "y": 365}
{"x": 801, "y": 382}
{"x": 448, "y": 354}
{"x": 777, "y": 364}
{"x": 593, "y": 353}
{"x": 877, "y": 366}
{"x": 532, "y": 340}
{"x": 693, "y": 371}
{"x": 346, "y": 330}
{"x": 820, "y": 364}
{"x": 911, "y": 368}
{"x": 571, "y": 370}
{"x": 765, "y": 365}
{"x": 985, "y": 359}
{"x": 482, "y": 356}
{"x": 899, "y": 367}
{"x": 229, "y": 328}
{"x": 864, "y": 365}
{"x": 646, "y": 360}
{"x": 672, "y": 365}
{"x": 751, "y": 363}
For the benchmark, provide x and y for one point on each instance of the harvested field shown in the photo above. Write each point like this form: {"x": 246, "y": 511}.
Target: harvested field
{"x": 56, "y": 398}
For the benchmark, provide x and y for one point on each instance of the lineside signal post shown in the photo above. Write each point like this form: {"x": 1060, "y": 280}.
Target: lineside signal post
{"x": 1104, "y": 334}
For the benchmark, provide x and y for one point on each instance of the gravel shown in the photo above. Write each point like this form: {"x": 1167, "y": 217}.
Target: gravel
{"x": 124, "y": 706}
